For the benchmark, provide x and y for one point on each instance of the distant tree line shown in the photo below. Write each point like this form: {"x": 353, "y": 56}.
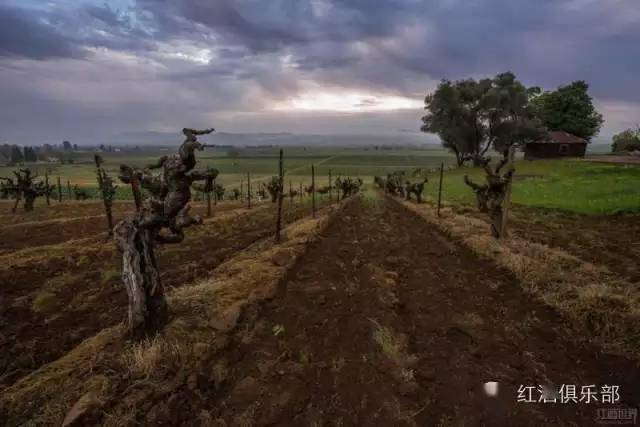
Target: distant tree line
{"x": 627, "y": 140}
{"x": 14, "y": 155}
{"x": 472, "y": 116}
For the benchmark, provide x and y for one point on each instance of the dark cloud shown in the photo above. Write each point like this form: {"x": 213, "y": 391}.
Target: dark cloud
{"x": 24, "y": 34}
{"x": 164, "y": 61}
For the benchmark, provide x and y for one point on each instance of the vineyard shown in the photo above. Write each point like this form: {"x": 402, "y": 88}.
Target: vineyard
{"x": 311, "y": 299}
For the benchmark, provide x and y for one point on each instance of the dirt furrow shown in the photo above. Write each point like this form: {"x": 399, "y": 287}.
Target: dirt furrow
{"x": 386, "y": 322}
{"x": 33, "y": 234}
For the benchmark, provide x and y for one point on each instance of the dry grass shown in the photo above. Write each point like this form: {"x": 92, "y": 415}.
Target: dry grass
{"x": 394, "y": 346}
{"x": 598, "y": 301}
{"x": 147, "y": 357}
{"x": 391, "y": 344}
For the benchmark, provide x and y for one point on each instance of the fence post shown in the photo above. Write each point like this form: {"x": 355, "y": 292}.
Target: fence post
{"x": 101, "y": 187}
{"x": 215, "y": 194}
{"x": 280, "y": 197}
{"x": 210, "y": 184}
{"x": 46, "y": 183}
{"x": 59, "y": 191}
{"x": 69, "y": 190}
{"x": 330, "y": 196}
{"x": 440, "y": 187}
{"x": 313, "y": 190}
{"x": 241, "y": 191}
{"x": 249, "y": 189}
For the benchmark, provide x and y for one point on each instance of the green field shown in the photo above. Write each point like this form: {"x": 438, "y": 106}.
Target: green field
{"x": 568, "y": 185}
{"x": 571, "y": 185}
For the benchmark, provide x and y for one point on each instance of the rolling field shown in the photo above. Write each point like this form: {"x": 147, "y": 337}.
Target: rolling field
{"x": 567, "y": 185}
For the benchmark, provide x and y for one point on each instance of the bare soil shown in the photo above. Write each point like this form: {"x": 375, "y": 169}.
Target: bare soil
{"x": 51, "y": 303}
{"x": 385, "y": 322}
{"x": 63, "y": 222}
{"x": 609, "y": 240}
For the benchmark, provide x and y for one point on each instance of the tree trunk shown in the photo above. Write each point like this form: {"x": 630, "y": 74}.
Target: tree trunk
{"x": 496, "y": 215}
{"x": 148, "y": 310}
{"x": 28, "y": 202}
{"x": 15, "y": 205}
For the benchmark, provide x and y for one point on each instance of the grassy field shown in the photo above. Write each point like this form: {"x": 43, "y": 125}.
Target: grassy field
{"x": 571, "y": 185}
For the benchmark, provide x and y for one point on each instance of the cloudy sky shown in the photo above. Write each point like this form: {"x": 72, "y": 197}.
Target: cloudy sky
{"x": 89, "y": 71}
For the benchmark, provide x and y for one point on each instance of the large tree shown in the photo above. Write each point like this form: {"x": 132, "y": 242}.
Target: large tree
{"x": 472, "y": 116}
{"x": 508, "y": 113}
{"x": 570, "y": 109}
{"x": 453, "y": 115}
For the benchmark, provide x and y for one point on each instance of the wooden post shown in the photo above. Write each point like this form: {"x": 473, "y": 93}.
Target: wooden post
{"x": 506, "y": 204}
{"x": 249, "y": 189}
{"x": 313, "y": 190}
{"x": 215, "y": 194}
{"x": 69, "y": 190}
{"x": 440, "y": 187}
{"x": 280, "y": 197}
{"x": 46, "y": 183}
{"x": 59, "y": 191}
{"x": 241, "y": 191}
{"x": 211, "y": 184}
{"x": 330, "y": 186}
{"x": 101, "y": 188}
{"x": 301, "y": 191}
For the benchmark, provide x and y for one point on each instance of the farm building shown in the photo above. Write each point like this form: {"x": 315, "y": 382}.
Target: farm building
{"x": 556, "y": 144}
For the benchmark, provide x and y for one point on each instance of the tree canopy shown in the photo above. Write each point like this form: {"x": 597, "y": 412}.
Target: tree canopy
{"x": 472, "y": 116}
{"x": 570, "y": 109}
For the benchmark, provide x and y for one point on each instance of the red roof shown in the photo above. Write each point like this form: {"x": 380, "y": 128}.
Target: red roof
{"x": 562, "y": 137}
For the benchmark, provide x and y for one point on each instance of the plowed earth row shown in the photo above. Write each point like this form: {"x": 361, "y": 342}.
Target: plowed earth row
{"x": 385, "y": 322}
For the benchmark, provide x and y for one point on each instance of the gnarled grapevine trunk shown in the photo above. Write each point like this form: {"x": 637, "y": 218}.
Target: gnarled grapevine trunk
{"x": 148, "y": 309}
{"x": 160, "y": 218}
{"x": 29, "y": 200}
{"x": 493, "y": 196}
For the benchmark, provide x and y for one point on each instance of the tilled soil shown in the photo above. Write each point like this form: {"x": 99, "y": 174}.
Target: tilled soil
{"x": 50, "y": 305}
{"x": 608, "y": 240}
{"x": 385, "y": 322}
{"x": 64, "y": 222}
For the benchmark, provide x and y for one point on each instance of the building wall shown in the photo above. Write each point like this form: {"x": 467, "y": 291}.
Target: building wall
{"x": 553, "y": 150}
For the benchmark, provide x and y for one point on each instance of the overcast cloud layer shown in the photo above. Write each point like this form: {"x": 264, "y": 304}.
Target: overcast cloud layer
{"x": 88, "y": 71}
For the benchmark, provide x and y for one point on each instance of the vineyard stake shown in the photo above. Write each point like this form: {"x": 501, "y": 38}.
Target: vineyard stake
{"x": 330, "y": 196}
{"x": 59, "y": 191}
{"x": 440, "y": 187}
{"x": 280, "y": 197}
{"x": 313, "y": 190}
{"x": 249, "y": 189}
{"x": 46, "y": 183}
{"x": 69, "y": 189}
{"x": 215, "y": 194}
